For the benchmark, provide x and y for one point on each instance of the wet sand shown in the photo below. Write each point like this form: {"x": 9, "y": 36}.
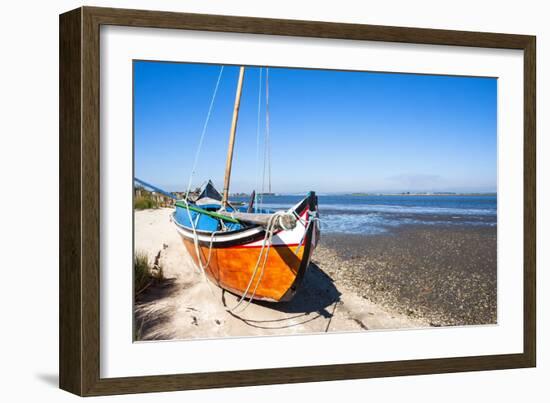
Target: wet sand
{"x": 443, "y": 275}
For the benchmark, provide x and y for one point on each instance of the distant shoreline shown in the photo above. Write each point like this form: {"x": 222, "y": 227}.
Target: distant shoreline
{"x": 375, "y": 194}
{"x": 422, "y": 194}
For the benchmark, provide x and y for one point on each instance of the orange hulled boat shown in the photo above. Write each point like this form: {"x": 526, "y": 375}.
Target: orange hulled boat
{"x": 262, "y": 255}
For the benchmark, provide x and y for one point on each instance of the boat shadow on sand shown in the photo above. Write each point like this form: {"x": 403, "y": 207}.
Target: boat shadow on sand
{"x": 317, "y": 297}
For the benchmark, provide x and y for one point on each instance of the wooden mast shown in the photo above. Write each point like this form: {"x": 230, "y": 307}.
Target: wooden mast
{"x": 232, "y": 138}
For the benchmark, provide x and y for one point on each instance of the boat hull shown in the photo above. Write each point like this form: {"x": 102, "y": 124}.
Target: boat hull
{"x": 231, "y": 259}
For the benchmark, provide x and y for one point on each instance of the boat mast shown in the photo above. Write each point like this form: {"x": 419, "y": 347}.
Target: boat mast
{"x": 232, "y": 138}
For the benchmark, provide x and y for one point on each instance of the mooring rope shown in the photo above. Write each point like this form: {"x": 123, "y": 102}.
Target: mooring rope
{"x": 202, "y": 269}
{"x": 274, "y": 220}
{"x": 268, "y": 239}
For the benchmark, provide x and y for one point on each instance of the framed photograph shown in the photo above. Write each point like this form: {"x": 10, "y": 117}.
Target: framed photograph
{"x": 249, "y": 201}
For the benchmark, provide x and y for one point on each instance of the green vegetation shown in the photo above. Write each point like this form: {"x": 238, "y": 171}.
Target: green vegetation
{"x": 144, "y": 273}
{"x": 143, "y": 202}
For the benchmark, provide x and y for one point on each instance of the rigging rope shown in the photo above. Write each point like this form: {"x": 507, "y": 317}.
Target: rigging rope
{"x": 274, "y": 221}
{"x": 199, "y": 147}
{"x": 258, "y": 139}
{"x": 268, "y": 240}
{"x": 268, "y": 134}
{"x": 267, "y": 145}
{"x": 202, "y": 268}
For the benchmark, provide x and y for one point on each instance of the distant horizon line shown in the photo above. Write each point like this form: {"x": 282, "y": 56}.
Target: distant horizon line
{"x": 427, "y": 193}
{"x": 356, "y": 193}
{"x": 182, "y": 189}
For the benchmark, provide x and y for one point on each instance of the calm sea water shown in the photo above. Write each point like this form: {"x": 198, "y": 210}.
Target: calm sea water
{"x": 378, "y": 214}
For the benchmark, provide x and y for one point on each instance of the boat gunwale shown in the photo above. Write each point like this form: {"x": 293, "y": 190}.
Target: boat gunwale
{"x": 242, "y": 238}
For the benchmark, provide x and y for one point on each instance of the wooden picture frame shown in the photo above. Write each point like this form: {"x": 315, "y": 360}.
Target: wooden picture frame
{"x": 79, "y": 317}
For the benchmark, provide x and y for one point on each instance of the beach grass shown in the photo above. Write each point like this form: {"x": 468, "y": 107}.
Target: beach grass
{"x": 144, "y": 203}
{"x": 145, "y": 273}
{"x": 142, "y": 271}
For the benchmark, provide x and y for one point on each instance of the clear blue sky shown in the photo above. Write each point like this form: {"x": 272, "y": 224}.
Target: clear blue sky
{"x": 331, "y": 131}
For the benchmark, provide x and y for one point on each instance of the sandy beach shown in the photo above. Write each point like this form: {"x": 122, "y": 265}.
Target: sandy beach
{"x": 185, "y": 305}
